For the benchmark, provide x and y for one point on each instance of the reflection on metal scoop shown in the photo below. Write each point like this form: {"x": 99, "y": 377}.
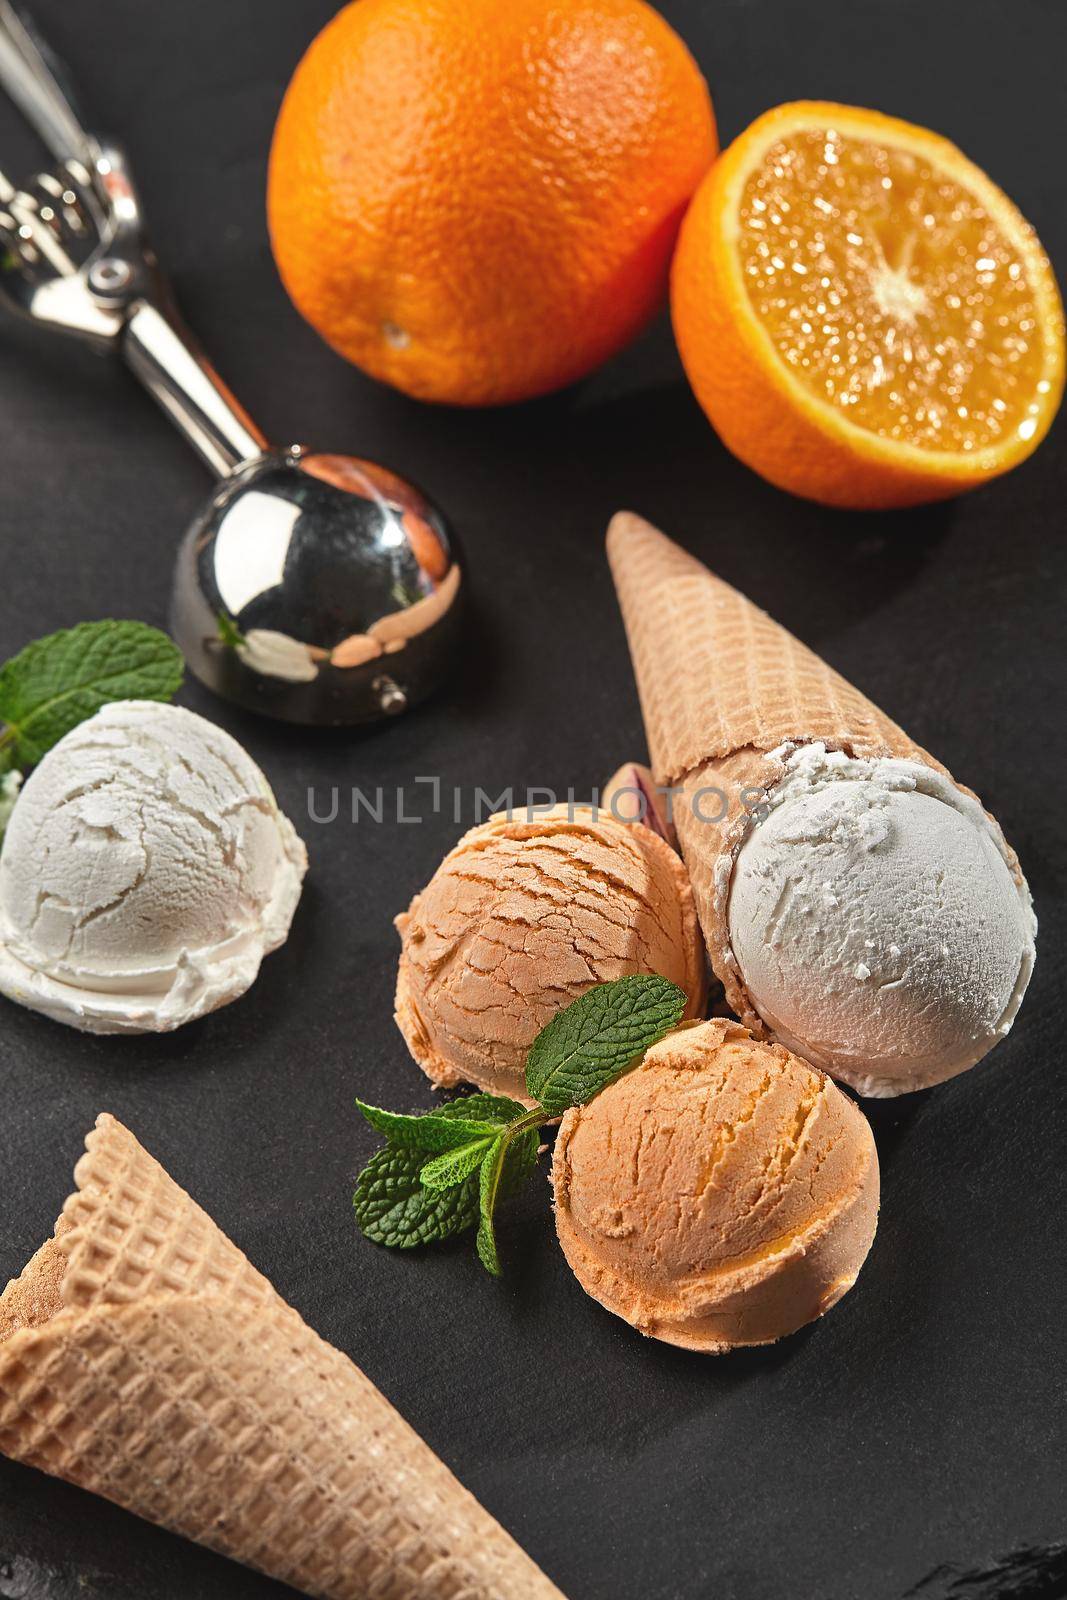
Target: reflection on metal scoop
{"x": 315, "y": 588}
{"x": 318, "y": 588}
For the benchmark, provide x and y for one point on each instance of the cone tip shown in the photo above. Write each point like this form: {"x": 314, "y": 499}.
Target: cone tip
{"x": 623, "y": 525}
{"x": 637, "y": 548}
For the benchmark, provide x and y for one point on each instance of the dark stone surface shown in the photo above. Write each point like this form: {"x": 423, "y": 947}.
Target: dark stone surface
{"x": 913, "y": 1443}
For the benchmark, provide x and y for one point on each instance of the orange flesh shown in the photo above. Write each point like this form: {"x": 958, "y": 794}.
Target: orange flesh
{"x": 891, "y": 292}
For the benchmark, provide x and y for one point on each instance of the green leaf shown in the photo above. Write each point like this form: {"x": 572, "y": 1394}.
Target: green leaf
{"x": 592, "y": 1041}
{"x": 511, "y": 1159}
{"x": 394, "y": 1208}
{"x": 58, "y": 681}
{"x": 521, "y": 1161}
{"x": 490, "y": 1178}
{"x": 432, "y": 1132}
{"x": 454, "y": 1165}
{"x": 495, "y": 1108}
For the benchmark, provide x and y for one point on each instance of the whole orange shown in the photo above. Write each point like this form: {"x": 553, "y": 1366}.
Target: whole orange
{"x": 477, "y": 200}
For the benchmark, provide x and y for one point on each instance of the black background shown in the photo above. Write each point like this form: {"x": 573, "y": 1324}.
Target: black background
{"x": 913, "y": 1442}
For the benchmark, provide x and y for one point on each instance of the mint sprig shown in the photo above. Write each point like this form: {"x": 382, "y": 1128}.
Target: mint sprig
{"x": 59, "y": 681}
{"x": 393, "y": 1204}
{"x": 447, "y": 1170}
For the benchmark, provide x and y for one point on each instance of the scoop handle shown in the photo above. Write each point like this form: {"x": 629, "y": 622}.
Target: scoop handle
{"x": 38, "y": 85}
{"x": 170, "y": 364}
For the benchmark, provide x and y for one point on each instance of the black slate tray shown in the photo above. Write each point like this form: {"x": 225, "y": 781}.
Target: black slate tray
{"x": 913, "y": 1443}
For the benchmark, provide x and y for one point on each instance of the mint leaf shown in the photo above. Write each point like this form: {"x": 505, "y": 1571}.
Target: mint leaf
{"x": 394, "y": 1208}
{"x": 454, "y": 1165}
{"x": 511, "y": 1159}
{"x": 593, "y": 1041}
{"x": 432, "y": 1132}
{"x": 489, "y": 1182}
{"x": 483, "y": 1108}
{"x": 58, "y": 681}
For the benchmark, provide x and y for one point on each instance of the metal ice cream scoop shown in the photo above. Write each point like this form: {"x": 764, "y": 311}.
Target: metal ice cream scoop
{"x": 316, "y": 588}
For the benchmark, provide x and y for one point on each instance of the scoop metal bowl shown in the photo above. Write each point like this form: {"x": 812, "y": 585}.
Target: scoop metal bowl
{"x": 316, "y": 588}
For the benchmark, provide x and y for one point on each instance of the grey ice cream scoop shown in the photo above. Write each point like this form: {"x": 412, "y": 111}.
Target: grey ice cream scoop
{"x": 877, "y": 922}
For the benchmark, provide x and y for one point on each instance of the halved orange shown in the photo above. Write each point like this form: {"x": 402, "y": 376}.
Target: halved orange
{"x": 866, "y": 318}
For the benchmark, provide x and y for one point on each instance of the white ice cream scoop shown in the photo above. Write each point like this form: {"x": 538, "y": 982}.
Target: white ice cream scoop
{"x": 877, "y": 923}
{"x": 145, "y": 873}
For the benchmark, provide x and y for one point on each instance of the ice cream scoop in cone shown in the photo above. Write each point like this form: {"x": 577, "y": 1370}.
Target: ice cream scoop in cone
{"x": 858, "y": 904}
{"x": 143, "y": 1357}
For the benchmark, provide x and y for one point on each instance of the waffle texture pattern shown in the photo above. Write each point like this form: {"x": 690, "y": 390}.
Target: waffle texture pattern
{"x": 144, "y": 1358}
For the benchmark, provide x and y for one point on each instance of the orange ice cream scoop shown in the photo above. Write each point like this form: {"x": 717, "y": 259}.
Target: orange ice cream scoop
{"x": 723, "y": 1193}
{"x": 520, "y": 919}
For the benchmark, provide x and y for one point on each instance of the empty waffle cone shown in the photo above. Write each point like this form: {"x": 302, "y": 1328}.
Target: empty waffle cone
{"x": 142, "y": 1357}
{"x": 725, "y": 693}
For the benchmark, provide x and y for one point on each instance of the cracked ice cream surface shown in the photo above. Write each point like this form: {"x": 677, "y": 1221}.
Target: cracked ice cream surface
{"x": 723, "y": 1193}
{"x": 145, "y": 873}
{"x": 522, "y": 917}
{"x": 876, "y": 922}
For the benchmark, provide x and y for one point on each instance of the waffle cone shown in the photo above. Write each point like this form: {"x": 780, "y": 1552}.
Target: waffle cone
{"x": 723, "y": 688}
{"x": 143, "y": 1358}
